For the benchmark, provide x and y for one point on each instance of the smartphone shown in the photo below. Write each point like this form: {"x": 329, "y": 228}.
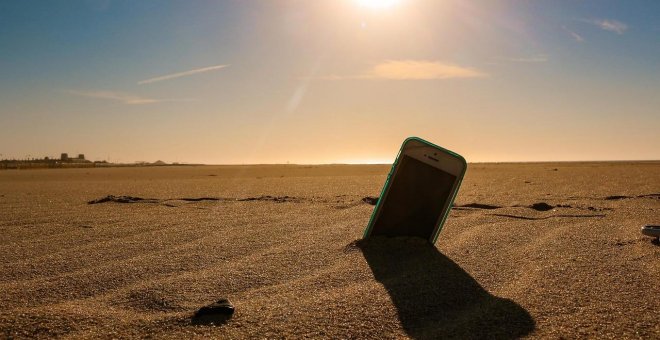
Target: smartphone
{"x": 418, "y": 193}
{"x": 651, "y": 230}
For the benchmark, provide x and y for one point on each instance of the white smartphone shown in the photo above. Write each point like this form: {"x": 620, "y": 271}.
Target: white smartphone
{"x": 418, "y": 193}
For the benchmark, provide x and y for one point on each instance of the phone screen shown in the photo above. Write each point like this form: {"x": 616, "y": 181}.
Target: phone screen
{"x": 415, "y": 200}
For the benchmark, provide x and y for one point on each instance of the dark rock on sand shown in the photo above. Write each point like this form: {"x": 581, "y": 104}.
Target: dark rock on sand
{"x": 478, "y": 206}
{"x": 122, "y": 199}
{"x": 277, "y": 199}
{"x": 541, "y": 206}
{"x": 215, "y": 313}
{"x": 616, "y": 197}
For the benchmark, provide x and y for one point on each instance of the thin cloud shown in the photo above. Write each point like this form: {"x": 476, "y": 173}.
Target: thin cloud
{"x": 541, "y": 58}
{"x": 414, "y": 70}
{"x": 181, "y": 74}
{"x": 116, "y": 96}
{"x": 609, "y": 25}
{"x": 575, "y": 36}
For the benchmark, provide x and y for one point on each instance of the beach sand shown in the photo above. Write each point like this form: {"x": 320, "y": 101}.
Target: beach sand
{"x": 537, "y": 250}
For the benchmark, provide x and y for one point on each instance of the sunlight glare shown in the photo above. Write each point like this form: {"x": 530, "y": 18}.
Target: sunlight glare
{"x": 378, "y": 4}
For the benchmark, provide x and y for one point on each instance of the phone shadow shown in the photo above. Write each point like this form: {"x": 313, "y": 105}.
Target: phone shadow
{"x": 435, "y": 298}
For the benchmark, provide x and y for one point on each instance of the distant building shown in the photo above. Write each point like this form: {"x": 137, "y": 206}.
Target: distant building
{"x": 80, "y": 159}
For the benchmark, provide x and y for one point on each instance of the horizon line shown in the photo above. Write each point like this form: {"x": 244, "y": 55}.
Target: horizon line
{"x": 342, "y": 163}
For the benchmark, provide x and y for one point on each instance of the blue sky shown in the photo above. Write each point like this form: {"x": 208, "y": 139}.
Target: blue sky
{"x": 329, "y": 81}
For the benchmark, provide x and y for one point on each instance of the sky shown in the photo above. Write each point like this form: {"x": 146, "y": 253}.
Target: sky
{"x": 336, "y": 81}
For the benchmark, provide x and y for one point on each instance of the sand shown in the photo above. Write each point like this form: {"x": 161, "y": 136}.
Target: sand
{"x": 536, "y": 250}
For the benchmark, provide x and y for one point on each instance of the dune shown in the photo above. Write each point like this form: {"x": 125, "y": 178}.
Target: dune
{"x": 530, "y": 250}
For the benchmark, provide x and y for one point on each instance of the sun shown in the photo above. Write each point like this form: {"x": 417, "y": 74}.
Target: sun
{"x": 377, "y": 4}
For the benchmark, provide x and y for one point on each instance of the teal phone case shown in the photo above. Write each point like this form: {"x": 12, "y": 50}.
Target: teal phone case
{"x": 389, "y": 176}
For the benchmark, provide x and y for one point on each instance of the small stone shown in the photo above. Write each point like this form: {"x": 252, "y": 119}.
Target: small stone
{"x": 541, "y": 206}
{"x": 222, "y": 306}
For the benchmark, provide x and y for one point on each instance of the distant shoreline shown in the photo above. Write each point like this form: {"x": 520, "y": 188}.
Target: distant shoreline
{"x": 9, "y": 165}
{"x": 30, "y": 166}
